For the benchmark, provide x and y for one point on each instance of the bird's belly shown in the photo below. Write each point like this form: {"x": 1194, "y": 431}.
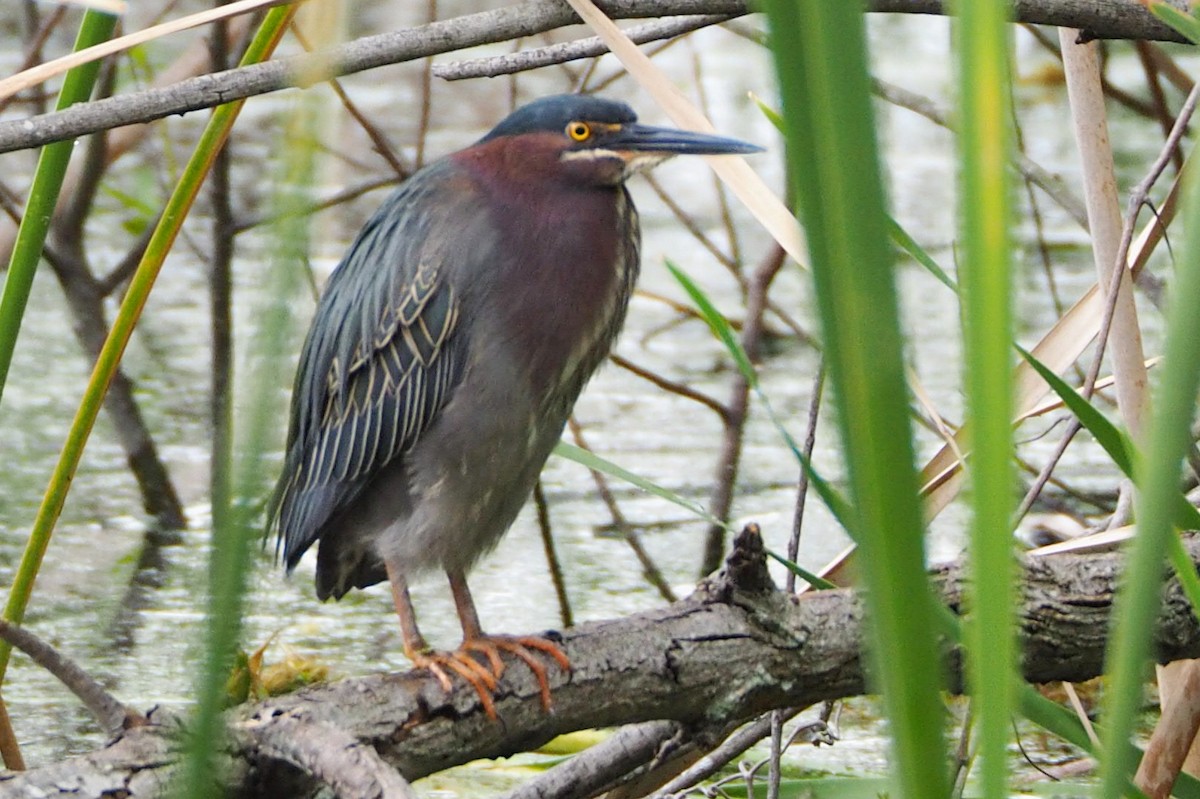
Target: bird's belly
{"x": 468, "y": 484}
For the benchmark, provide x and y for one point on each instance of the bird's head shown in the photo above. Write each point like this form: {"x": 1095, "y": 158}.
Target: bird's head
{"x": 599, "y": 141}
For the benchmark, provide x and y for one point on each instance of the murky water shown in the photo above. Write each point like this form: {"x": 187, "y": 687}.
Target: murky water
{"x": 667, "y": 439}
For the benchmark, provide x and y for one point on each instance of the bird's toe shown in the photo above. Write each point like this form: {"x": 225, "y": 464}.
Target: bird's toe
{"x": 461, "y": 663}
{"x": 523, "y": 648}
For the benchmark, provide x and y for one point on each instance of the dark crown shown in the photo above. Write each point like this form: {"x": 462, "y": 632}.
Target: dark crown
{"x": 551, "y": 114}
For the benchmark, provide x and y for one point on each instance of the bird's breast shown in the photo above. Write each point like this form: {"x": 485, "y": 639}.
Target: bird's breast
{"x": 572, "y": 265}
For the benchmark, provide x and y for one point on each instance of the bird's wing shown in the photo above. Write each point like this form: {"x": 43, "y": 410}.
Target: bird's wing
{"x": 379, "y": 362}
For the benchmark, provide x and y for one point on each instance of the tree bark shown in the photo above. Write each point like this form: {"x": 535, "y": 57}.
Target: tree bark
{"x": 734, "y": 649}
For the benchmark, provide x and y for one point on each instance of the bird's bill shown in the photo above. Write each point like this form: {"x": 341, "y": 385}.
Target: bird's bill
{"x": 637, "y": 138}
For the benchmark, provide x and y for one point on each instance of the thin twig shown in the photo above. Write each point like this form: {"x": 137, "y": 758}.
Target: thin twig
{"x": 738, "y": 405}
{"x": 695, "y": 230}
{"x": 33, "y": 51}
{"x": 1171, "y": 70}
{"x": 112, "y": 715}
{"x": 128, "y": 264}
{"x": 802, "y": 335}
{"x": 1140, "y": 195}
{"x": 650, "y": 569}
{"x": 377, "y": 136}
{"x": 220, "y": 305}
{"x": 1099, "y": 500}
{"x": 775, "y": 761}
{"x": 738, "y": 742}
{"x": 552, "y": 562}
{"x": 619, "y": 73}
{"x": 672, "y": 386}
{"x": 686, "y": 312}
{"x": 1035, "y": 212}
{"x": 1138, "y": 198}
{"x": 577, "y": 50}
{"x": 345, "y": 195}
{"x": 962, "y": 755}
{"x": 423, "y": 121}
{"x": 1044, "y": 180}
{"x": 810, "y": 442}
{"x": 580, "y": 84}
{"x": 731, "y": 748}
{"x": 1162, "y": 112}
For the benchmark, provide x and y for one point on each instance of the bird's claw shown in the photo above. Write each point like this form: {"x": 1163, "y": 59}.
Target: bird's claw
{"x": 519, "y": 646}
{"x": 485, "y": 678}
{"x": 465, "y": 666}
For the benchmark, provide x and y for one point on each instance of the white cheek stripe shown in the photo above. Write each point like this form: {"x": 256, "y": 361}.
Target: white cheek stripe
{"x": 590, "y": 155}
{"x": 632, "y": 162}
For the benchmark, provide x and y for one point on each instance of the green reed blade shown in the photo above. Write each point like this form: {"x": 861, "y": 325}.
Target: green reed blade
{"x": 820, "y": 56}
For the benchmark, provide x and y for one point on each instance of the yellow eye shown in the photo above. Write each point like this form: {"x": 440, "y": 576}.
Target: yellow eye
{"x": 579, "y": 131}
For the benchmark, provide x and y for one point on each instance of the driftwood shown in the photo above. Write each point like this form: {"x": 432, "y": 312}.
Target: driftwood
{"x": 735, "y": 648}
{"x": 1117, "y": 19}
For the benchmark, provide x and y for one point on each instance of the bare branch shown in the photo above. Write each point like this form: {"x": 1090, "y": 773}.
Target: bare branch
{"x": 362, "y": 54}
{"x": 107, "y": 709}
{"x": 730, "y": 652}
{"x": 1116, "y": 19}
{"x": 599, "y": 767}
{"x": 348, "y": 766}
{"x": 570, "y": 51}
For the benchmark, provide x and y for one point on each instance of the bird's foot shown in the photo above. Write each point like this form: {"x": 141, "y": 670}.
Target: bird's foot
{"x": 485, "y": 678}
{"x": 461, "y": 663}
{"x": 522, "y": 648}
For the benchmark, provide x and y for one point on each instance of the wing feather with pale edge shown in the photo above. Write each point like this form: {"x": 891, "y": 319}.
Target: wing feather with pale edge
{"x": 379, "y": 362}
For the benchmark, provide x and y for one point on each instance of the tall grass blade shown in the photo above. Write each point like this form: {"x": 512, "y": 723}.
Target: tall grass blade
{"x": 907, "y": 243}
{"x": 1158, "y": 481}
{"x": 593, "y": 461}
{"x": 1121, "y": 450}
{"x": 985, "y": 218}
{"x": 819, "y": 49}
{"x": 22, "y": 267}
{"x": 52, "y": 165}
{"x": 899, "y": 235}
{"x": 815, "y": 581}
{"x": 43, "y": 196}
{"x": 1115, "y": 443}
{"x": 721, "y": 328}
{"x": 233, "y": 531}
{"x": 1187, "y": 25}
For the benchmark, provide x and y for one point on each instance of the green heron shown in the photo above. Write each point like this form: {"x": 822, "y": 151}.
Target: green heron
{"x": 448, "y": 350}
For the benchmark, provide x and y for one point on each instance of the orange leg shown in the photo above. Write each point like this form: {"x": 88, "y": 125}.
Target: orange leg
{"x": 422, "y": 656}
{"x": 475, "y": 640}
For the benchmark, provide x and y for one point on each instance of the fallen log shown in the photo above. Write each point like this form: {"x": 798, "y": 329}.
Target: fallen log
{"x": 736, "y": 648}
